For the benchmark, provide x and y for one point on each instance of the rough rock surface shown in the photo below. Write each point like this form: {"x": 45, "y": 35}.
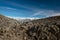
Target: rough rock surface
{"x": 44, "y": 29}
{"x": 9, "y": 29}
{"x": 41, "y": 29}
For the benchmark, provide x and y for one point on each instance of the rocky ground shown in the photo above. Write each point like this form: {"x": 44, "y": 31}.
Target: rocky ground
{"x": 41, "y": 29}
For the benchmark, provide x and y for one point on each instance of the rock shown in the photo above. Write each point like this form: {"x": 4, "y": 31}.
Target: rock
{"x": 41, "y": 29}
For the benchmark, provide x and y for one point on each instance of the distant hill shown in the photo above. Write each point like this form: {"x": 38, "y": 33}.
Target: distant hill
{"x": 40, "y": 29}
{"x": 24, "y": 20}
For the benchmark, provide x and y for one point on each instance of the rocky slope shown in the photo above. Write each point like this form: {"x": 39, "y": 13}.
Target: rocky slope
{"x": 9, "y": 29}
{"x": 41, "y": 29}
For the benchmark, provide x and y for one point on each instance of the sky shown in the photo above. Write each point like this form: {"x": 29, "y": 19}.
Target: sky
{"x": 30, "y": 8}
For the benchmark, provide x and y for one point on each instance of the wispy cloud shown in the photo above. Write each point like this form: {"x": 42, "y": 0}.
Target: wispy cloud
{"x": 37, "y": 13}
{"x": 46, "y": 13}
{"x": 18, "y": 18}
{"x": 8, "y": 8}
{"x": 35, "y": 10}
{"x": 21, "y": 5}
{"x": 55, "y": 14}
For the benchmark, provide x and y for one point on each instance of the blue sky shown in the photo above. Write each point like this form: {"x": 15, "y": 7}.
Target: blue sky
{"x": 30, "y": 8}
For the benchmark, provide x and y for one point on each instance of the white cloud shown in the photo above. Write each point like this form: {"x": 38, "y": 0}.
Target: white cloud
{"x": 55, "y": 14}
{"x": 18, "y": 18}
{"x": 9, "y": 8}
{"x": 46, "y": 13}
{"x": 37, "y": 13}
{"x": 21, "y": 5}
